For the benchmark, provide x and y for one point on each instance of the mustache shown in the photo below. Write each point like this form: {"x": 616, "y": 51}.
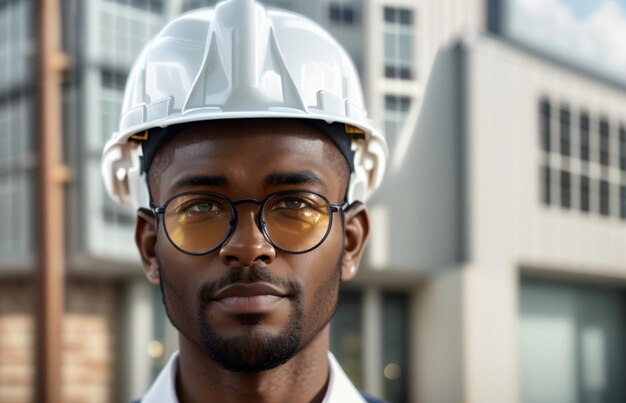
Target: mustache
{"x": 244, "y": 275}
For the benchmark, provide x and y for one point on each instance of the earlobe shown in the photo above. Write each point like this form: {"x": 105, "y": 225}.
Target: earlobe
{"x": 356, "y": 236}
{"x": 145, "y": 238}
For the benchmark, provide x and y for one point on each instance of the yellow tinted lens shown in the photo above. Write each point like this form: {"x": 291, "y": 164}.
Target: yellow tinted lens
{"x": 197, "y": 222}
{"x": 296, "y": 221}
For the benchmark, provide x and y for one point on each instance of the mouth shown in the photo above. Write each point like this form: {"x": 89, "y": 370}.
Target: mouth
{"x": 249, "y": 298}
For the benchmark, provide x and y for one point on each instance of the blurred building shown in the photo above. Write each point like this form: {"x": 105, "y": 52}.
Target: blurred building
{"x": 497, "y": 263}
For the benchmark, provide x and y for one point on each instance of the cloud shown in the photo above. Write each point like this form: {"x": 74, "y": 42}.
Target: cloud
{"x": 596, "y": 41}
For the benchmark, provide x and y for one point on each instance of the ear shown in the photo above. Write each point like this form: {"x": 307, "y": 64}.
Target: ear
{"x": 357, "y": 229}
{"x": 145, "y": 238}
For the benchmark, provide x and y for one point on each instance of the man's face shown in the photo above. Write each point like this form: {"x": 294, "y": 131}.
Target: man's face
{"x": 249, "y": 306}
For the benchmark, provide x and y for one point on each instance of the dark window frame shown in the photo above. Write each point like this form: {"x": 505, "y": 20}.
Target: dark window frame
{"x": 622, "y": 148}
{"x": 544, "y": 124}
{"x": 342, "y": 13}
{"x": 565, "y": 131}
{"x": 584, "y": 136}
{"x": 546, "y": 185}
{"x": 605, "y": 198}
{"x": 604, "y": 133}
{"x": 585, "y": 194}
{"x": 566, "y": 189}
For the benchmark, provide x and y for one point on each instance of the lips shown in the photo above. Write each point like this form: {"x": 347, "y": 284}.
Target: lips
{"x": 249, "y": 298}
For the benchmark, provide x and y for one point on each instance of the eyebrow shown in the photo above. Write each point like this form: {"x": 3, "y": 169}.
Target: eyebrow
{"x": 201, "y": 180}
{"x": 293, "y": 178}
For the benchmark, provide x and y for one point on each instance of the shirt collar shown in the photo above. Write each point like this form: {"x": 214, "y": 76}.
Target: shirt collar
{"x": 340, "y": 389}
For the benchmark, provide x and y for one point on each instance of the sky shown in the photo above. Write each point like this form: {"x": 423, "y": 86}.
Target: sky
{"x": 591, "y": 33}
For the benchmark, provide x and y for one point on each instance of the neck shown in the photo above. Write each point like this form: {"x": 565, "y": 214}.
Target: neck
{"x": 199, "y": 379}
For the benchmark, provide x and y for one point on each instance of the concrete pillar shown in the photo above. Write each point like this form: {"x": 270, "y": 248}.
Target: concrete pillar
{"x": 438, "y": 329}
{"x": 491, "y": 318}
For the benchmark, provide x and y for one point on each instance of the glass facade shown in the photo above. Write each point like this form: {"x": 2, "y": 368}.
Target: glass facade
{"x": 348, "y": 344}
{"x": 572, "y": 343}
{"x": 346, "y": 335}
{"x": 17, "y": 159}
{"x": 124, "y": 27}
{"x": 395, "y": 346}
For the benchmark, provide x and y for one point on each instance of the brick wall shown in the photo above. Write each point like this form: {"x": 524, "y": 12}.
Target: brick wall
{"x": 89, "y": 342}
{"x": 16, "y": 341}
{"x": 89, "y": 346}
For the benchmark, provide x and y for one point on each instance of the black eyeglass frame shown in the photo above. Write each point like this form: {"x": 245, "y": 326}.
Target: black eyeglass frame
{"x": 234, "y": 217}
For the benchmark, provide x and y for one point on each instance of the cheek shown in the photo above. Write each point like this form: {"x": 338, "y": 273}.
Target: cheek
{"x": 321, "y": 271}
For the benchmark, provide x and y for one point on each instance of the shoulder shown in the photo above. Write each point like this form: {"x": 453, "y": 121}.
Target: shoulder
{"x": 370, "y": 399}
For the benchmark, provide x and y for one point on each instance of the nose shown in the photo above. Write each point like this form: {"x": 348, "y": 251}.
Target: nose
{"x": 247, "y": 245}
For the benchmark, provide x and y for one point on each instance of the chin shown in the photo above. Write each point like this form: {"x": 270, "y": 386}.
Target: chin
{"x": 254, "y": 351}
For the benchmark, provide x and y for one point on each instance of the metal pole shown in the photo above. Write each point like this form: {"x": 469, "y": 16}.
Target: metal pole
{"x": 52, "y": 175}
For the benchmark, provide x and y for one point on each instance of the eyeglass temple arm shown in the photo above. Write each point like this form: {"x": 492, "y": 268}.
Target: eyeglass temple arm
{"x": 339, "y": 207}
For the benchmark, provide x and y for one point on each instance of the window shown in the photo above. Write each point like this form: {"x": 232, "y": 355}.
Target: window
{"x": 565, "y": 131}
{"x": 604, "y": 197}
{"x": 390, "y": 311}
{"x": 16, "y": 54}
{"x": 545, "y": 185}
{"x": 16, "y": 218}
{"x": 571, "y": 343}
{"x": 112, "y": 93}
{"x": 124, "y": 31}
{"x": 604, "y": 142}
{"x": 346, "y": 335}
{"x": 395, "y": 347}
{"x": 622, "y": 204}
{"x": 566, "y": 190}
{"x": 341, "y": 13}
{"x": 584, "y": 136}
{"x": 398, "y": 43}
{"x": 16, "y": 129}
{"x": 396, "y": 109}
{"x": 622, "y": 148}
{"x": 544, "y": 113}
{"x": 584, "y": 193}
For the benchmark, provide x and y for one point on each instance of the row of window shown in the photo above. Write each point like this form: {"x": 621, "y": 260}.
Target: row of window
{"x": 581, "y": 136}
{"x": 398, "y": 36}
{"x": 592, "y": 195}
{"x": 155, "y": 6}
{"x": 576, "y": 134}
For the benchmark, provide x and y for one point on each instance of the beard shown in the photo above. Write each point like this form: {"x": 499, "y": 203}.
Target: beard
{"x": 256, "y": 350}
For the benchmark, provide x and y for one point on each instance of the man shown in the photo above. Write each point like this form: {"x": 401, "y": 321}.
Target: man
{"x": 245, "y": 148}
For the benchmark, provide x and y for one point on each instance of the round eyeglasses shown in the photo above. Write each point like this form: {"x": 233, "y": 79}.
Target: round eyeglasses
{"x": 293, "y": 221}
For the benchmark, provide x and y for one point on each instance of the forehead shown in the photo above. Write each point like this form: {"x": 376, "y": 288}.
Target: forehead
{"x": 245, "y": 152}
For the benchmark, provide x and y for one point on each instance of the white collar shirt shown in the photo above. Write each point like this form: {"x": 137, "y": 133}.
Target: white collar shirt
{"x": 340, "y": 389}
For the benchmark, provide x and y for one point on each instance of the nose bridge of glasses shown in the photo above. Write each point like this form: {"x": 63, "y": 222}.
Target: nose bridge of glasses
{"x": 251, "y": 213}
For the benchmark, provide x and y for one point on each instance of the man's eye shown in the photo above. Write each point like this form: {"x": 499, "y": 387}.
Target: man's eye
{"x": 291, "y": 204}
{"x": 201, "y": 207}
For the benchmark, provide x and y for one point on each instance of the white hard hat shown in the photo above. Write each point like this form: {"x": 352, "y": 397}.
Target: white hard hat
{"x": 236, "y": 61}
